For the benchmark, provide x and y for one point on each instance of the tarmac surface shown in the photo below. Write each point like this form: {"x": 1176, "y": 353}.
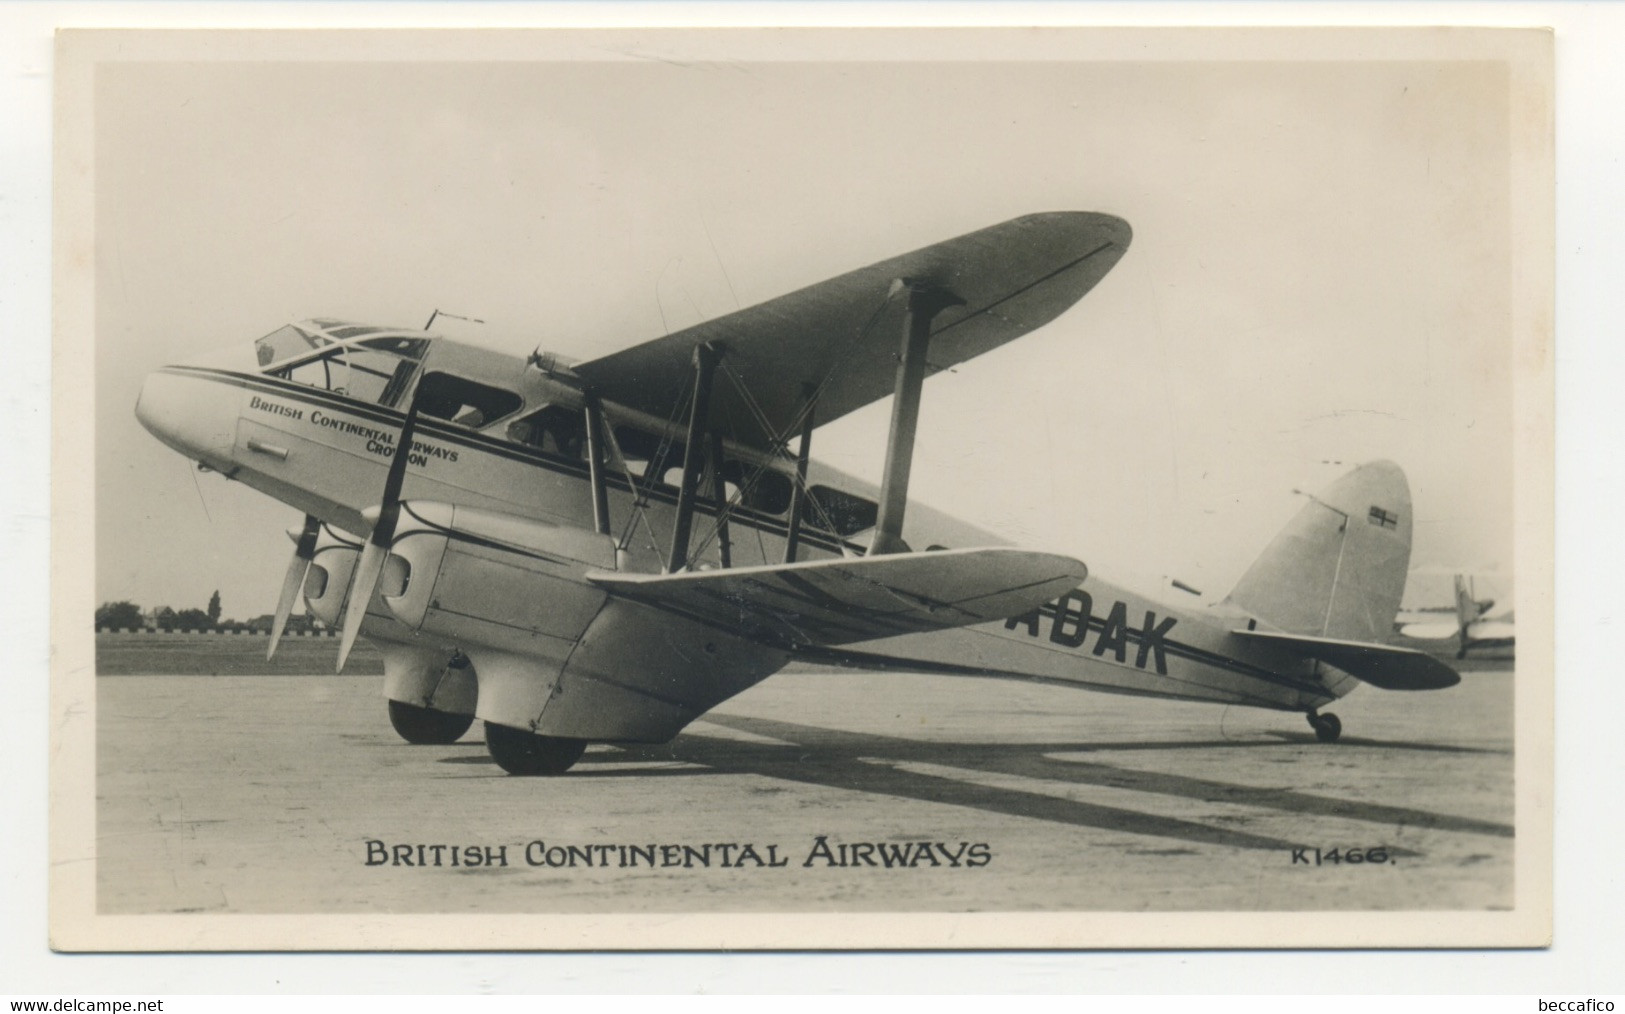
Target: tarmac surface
{"x": 290, "y": 794}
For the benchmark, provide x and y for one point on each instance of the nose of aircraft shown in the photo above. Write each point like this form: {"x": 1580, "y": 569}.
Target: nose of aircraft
{"x": 190, "y": 412}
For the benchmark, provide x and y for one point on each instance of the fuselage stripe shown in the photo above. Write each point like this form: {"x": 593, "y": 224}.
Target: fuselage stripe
{"x": 648, "y": 490}
{"x": 1206, "y": 657}
{"x": 645, "y": 490}
{"x": 851, "y": 658}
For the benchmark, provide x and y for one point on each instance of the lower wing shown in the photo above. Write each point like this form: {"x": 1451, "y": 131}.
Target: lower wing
{"x": 848, "y": 600}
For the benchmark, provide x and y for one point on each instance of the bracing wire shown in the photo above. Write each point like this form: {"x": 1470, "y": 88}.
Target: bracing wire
{"x": 778, "y": 442}
{"x": 639, "y": 497}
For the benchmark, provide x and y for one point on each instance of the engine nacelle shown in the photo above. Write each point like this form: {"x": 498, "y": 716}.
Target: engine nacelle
{"x": 555, "y": 653}
{"x": 328, "y": 579}
{"x": 479, "y": 577}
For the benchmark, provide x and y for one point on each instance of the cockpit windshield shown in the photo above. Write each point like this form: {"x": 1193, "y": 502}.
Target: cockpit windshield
{"x": 336, "y": 356}
{"x": 285, "y": 343}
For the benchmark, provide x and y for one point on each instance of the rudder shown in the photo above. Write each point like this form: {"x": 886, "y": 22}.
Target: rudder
{"x": 1338, "y": 568}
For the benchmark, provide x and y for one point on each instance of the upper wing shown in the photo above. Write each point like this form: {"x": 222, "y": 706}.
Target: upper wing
{"x": 841, "y": 601}
{"x": 1381, "y": 665}
{"x": 842, "y": 336}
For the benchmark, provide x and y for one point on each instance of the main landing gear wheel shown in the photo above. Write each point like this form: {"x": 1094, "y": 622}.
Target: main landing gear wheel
{"x": 1327, "y": 727}
{"x": 519, "y": 752}
{"x": 426, "y": 726}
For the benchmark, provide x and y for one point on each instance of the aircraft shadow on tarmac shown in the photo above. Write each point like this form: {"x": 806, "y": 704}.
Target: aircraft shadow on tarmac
{"x": 891, "y": 766}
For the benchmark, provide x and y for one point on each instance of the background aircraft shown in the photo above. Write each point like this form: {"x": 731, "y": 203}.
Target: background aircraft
{"x": 1474, "y": 625}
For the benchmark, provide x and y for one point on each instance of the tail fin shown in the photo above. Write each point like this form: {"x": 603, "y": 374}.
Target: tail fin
{"x": 1466, "y": 611}
{"x": 1338, "y": 568}
{"x": 1468, "y": 608}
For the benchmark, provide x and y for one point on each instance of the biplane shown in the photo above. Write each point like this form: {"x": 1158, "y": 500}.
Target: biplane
{"x": 601, "y": 551}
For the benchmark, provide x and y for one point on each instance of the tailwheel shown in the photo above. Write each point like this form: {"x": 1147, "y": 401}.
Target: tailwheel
{"x": 426, "y": 726}
{"x": 1327, "y": 727}
{"x": 520, "y": 752}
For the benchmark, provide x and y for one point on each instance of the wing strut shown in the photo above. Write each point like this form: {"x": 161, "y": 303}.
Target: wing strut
{"x": 924, "y": 303}
{"x": 705, "y": 362}
{"x": 596, "y": 459}
{"x": 798, "y": 495}
{"x": 719, "y": 493}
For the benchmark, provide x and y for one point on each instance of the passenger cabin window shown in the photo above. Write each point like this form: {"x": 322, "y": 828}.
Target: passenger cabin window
{"x": 554, "y": 429}
{"x": 763, "y": 489}
{"x": 650, "y": 457}
{"x": 378, "y": 370}
{"x": 465, "y": 402}
{"x": 842, "y": 513}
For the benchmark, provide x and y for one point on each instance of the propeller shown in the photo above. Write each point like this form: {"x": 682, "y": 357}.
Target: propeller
{"x": 365, "y": 581}
{"x": 304, "y": 549}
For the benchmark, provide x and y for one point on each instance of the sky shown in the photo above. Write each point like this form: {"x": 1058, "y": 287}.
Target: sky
{"x": 1320, "y": 273}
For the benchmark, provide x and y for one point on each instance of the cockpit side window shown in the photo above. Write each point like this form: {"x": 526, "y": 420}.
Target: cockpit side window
{"x": 465, "y": 402}
{"x": 357, "y": 371}
{"x": 285, "y": 343}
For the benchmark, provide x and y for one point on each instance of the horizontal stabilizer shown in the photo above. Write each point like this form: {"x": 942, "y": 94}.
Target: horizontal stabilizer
{"x": 1381, "y": 665}
{"x": 842, "y": 601}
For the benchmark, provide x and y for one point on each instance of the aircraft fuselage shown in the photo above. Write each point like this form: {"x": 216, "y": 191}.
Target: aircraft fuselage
{"x": 326, "y": 453}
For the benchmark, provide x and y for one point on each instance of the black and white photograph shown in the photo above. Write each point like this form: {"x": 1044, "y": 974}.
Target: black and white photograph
{"x": 803, "y": 488}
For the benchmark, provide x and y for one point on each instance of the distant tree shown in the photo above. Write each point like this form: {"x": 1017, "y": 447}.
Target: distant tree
{"x": 166, "y": 618}
{"x": 214, "y": 608}
{"x": 193, "y": 619}
{"x": 118, "y": 615}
